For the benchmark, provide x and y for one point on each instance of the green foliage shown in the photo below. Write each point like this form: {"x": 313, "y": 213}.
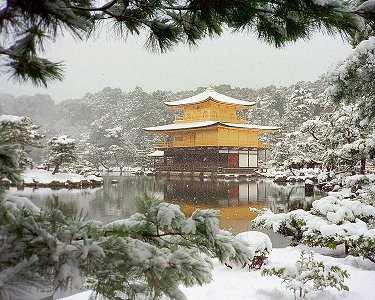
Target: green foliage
{"x": 338, "y": 139}
{"x": 309, "y": 275}
{"x": 62, "y": 151}
{"x": 25, "y": 26}
{"x": 352, "y": 81}
{"x": 293, "y": 226}
{"x": 330, "y": 223}
{"x": 9, "y": 168}
{"x": 150, "y": 254}
{"x": 362, "y": 246}
{"x": 20, "y": 133}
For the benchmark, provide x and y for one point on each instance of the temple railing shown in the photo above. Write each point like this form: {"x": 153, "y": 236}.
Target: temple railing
{"x": 208, "y": 117}
{"x": 186, "y": 144}
{"x": 164, "y": 145}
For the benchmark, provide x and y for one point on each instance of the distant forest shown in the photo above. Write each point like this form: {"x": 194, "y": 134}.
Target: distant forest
{"x": 90, "y": 118}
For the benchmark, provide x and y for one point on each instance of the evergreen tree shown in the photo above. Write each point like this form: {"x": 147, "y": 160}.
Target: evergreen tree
{"x": 26, "y": 25}
{"x": 9, "y": 168}
{"x": 22, "y": 133}
{"x": 353, "y": 80}
{"x": 146, "y": 256}
{"x": 298, "y": 107}
{"x": 62, "y": 151}
{"x": 337, "y": 139}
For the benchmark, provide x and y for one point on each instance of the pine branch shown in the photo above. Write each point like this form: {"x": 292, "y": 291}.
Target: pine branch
{"x": 102, "y": 8}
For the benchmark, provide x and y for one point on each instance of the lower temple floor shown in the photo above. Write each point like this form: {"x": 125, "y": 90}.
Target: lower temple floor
{"x": 212, "y": 159}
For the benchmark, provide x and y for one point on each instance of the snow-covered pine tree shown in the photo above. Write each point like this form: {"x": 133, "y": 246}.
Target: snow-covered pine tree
{"x": 269, "y": 107}
{"x": 9, "y": 167}
{"x": 352, "y": 80}
{"x": 62, "y": 150}
{"x": 22, "y": 133}
{"x": 298, "y": 107}
{"x": 288, "y": 152}
{"x": 337, "y": 139}
{"x": 150, "y": 254}
{"x": 94, "y": 156}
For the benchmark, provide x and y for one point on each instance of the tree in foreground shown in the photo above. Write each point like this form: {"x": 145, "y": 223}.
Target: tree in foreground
{"x": 26, "y": 25}
{"x": 150, "y": 254}
{"x": 352, "y": 81}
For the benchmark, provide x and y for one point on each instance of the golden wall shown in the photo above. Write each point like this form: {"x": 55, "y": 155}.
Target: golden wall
{"x": 218, "y": 136}
{"x": 209, "y": 111}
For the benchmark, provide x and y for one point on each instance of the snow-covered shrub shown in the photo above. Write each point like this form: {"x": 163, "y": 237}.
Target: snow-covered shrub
{"x": 308, "y": 275}
{"x": 359, "y": 180}
{"x": 288, "y": 224}
{"x": 330, "y": 222}
{"x": 151, "y": 254}
{"x": 260, "y": 244}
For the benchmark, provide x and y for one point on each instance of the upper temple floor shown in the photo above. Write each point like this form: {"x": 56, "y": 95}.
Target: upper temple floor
{"x": 210, "y": 106}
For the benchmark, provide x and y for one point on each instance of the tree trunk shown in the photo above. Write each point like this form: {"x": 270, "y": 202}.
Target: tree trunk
{"x": 105, "y": 167}
{"x": 56, "y": 169}
{"x": 363, "y": 165}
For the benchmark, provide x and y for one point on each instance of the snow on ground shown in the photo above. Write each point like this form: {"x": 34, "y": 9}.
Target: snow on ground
{"x": 44, "y": 177}
{"x": 240, "y": 284}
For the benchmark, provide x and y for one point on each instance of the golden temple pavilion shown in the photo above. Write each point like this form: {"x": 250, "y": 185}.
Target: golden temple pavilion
{"x": 210, "y": 133}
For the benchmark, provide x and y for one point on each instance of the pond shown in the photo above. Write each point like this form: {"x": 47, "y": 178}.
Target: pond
{"x": 232, "y": 197}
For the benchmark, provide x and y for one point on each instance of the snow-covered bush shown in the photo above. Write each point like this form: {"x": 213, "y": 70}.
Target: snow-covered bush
{"x": 308, "y": 275}
{"x": 149, "y": 254}
{"x": 359, "y": 180}
{"x": 331, "y": 222}
{"x": 260, "y": 244}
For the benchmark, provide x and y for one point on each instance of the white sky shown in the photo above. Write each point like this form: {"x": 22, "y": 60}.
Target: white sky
{"x": 236, "y": 59}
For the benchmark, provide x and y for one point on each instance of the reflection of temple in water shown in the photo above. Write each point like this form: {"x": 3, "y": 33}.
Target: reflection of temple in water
{"x": 215, "y": 193}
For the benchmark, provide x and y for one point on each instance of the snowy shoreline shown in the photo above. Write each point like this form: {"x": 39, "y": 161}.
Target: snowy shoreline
{"x": 42, "y": 178}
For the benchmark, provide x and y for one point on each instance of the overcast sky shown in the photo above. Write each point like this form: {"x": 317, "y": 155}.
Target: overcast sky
{"x": 236, "y": 59}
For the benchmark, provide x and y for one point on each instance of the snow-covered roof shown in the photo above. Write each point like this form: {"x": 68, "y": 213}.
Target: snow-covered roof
{"x": 193, "y": 125}
{"x": 210, "y": 94}
{"x": 157, "y": 153}
{"x": 251, "y": 126}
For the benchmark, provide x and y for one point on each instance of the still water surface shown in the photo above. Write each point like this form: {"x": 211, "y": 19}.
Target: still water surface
{"x": 233, "y": 198}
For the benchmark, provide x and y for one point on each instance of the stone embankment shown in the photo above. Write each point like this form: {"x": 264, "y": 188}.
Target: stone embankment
{"x": 43, "y": 178}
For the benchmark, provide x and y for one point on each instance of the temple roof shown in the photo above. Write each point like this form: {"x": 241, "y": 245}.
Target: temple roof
{"x": 194, "y": 125}
{"x": 210, "y": 94}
